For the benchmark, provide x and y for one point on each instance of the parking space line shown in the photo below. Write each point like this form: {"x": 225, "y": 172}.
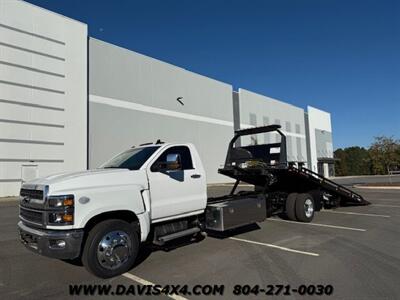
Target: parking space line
{"x": 145, "y": 282}
{"x": 353, "y": 213}
{"x": 275, "y": 246}
{"x": 385, "y": 205}
{"x": 321, "y": 225}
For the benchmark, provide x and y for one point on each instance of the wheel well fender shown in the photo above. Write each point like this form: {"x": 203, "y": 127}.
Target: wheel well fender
{"x": 125, "y": 215}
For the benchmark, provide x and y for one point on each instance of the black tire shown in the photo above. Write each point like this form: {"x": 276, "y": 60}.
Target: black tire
{"x": 318, "y": 200}
{"x": 305, "y": 208}
{"x": 291, "y": 206}
{"x": 90, "y": 257}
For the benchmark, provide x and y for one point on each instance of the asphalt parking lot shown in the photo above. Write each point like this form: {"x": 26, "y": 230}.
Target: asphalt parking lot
{"x": 354, "y": 249}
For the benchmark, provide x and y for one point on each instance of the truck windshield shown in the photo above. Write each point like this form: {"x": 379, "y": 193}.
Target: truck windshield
{"x": 131, "y": 159}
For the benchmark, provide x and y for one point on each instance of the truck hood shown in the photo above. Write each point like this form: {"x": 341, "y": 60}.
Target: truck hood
{"x": 89, "y": 179}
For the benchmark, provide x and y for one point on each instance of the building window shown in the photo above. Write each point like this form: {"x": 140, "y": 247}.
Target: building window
{"x": 277, "y": 136}
{"x": 321, "y": 168}
{"x": 266, "y": 135}
{"x": 331, "y": 169}
{"x": 253, "y": 122}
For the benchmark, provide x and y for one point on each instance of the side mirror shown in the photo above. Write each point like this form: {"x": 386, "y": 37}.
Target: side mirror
{"x": 173, "y": 162}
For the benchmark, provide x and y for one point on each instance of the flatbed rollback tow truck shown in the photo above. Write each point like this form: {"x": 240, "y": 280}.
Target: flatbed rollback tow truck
{"x": 157, "y": 192}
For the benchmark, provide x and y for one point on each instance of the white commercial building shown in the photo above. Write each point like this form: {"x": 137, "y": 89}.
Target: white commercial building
{"x": 43, "y": 93}
{"x": 69, "y": 102}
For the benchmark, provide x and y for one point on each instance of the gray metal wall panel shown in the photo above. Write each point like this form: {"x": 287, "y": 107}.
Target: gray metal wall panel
{"x": 291, "y": 118}
{"x": 126, "y": 75}
{"x": 145, "y": 90}
{"x": 113, "y": 130}
{"x": 323, "y": 140}
{"x": 236, "y": 110}
{"x": 267, "y": 137}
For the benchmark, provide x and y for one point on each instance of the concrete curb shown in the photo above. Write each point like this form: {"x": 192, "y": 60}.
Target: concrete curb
{"x": 359, "y": 186}
{"x": 364, "y": 176}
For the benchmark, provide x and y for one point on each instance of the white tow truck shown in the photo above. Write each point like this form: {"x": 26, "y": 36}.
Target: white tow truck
{"x": 157, "y": 193}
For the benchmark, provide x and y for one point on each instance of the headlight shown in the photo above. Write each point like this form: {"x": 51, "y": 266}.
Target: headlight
{"x": 61, "y": 201}
{"x": 61, "y": 210}
{"x": 65, "y": 218}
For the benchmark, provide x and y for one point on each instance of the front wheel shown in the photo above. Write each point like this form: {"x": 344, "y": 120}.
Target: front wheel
{"x": 111, "y": 248}
{"x": 305, "y": 208}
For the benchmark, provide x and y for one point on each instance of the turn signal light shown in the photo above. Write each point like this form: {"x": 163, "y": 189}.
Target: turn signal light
{"x": 68, "y": 218}
{"x": 68, "y": 202}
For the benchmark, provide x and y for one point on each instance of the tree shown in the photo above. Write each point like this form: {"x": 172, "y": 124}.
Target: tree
{"x": 385, "y": 154}
{"x": 352, "y": 161}
{"x": 340, "y": 162}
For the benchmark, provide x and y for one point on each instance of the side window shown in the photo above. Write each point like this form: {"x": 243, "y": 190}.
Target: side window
{"x": 184, "y": 153}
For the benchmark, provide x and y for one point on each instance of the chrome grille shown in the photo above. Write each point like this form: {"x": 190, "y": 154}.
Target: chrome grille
{"x": 31, "y": 215}
{"x": 32, "y": 194}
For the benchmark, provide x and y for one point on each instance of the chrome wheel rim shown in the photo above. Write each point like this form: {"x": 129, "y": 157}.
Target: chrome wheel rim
{"x": 114, "y": 249}
{"x": 308, "y": 208}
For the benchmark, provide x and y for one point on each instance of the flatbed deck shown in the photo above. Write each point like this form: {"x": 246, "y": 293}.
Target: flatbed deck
{"x": 270, "y": 172}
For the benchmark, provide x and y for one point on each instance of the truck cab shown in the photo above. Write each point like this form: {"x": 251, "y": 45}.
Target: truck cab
{"x": 102, "y": 215}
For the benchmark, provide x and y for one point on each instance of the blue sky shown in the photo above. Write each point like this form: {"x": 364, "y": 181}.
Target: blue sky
{"x": 342, "y": 56}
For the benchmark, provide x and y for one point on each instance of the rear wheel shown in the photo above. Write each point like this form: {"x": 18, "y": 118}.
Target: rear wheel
{"x": 305, "y": 208}
{"x": 317, "y": 196}
{"x": 111, "y": 248}
{"x": 291, "y": 206}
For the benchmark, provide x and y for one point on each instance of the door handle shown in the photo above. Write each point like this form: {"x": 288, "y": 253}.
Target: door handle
{"x": 196, "y": 176}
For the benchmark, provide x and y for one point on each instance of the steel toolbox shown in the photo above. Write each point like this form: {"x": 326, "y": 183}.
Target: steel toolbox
{"x": 235, "y": 212}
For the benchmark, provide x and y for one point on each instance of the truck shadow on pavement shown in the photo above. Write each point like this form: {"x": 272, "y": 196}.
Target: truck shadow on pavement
{"x": 148, "y": 248}
{"x": 233, "y": 232}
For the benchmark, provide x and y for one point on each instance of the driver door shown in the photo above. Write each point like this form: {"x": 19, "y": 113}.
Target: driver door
{"x": 176, "y": 186}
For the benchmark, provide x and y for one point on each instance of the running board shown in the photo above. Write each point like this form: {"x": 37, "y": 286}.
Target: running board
{"x": 166, "y": 238}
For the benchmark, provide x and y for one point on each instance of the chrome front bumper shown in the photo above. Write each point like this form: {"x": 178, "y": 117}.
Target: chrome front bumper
{"x": 48, "y": 242}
